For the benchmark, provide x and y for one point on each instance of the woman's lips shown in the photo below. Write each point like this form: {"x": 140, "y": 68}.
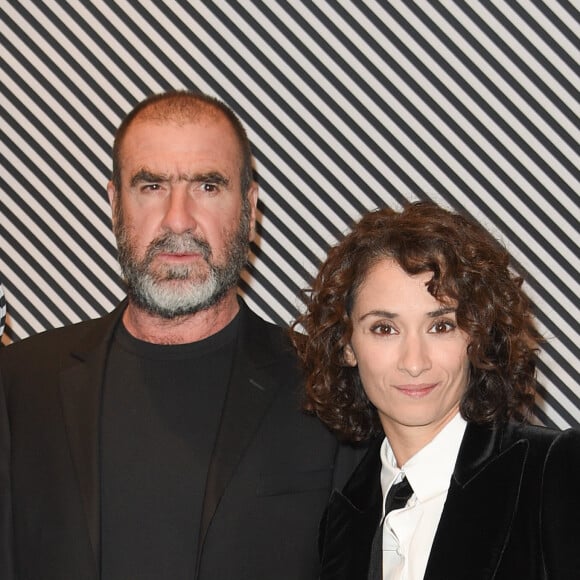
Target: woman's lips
{"x": 416, "y": 391}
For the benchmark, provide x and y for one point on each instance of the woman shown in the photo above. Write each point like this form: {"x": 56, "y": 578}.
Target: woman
{"x": 420, "y": 340}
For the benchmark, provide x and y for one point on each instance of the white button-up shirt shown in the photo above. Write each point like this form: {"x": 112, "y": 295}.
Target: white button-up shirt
{"x": 408, "y": 533}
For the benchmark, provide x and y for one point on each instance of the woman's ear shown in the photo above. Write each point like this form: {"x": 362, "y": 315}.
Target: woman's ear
{"x": 349, "y": 356}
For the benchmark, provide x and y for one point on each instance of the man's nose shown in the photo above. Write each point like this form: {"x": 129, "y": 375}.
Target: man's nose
{"x": 179, "y": 210}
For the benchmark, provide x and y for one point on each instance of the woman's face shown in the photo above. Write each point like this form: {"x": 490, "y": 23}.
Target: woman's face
{"x": 411, "y": 356}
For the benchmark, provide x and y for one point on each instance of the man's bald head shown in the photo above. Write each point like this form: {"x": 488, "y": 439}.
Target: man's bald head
{"x": 183, "y": 107}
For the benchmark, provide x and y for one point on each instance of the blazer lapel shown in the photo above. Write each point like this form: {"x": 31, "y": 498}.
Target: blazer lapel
{"x": 253, "y": 384}
{"x": 350, "y": 521}
{"x": 480, "y": 507}
{"x": 81, "y": 385}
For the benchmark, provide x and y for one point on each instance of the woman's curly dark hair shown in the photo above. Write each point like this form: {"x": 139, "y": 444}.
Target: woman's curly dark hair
{"x": 470, "y": 269}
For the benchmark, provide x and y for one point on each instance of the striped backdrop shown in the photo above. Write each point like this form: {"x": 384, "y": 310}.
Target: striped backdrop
{"x": 350, "y": 105}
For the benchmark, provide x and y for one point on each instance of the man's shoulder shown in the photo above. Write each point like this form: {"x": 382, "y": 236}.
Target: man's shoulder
{"x": 50, "y": 343}
{"x": 271, "y": 336}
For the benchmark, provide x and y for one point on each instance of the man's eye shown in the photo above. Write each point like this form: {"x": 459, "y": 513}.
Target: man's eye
{"x": 150, "y": 187}
{"x": 209, "y": 187}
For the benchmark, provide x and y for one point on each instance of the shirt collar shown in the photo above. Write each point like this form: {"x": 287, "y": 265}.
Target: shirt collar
{"x": 429, "y": 470}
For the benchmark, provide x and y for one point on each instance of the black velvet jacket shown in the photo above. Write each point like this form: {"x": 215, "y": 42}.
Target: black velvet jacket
{"x": 512, "y": 511}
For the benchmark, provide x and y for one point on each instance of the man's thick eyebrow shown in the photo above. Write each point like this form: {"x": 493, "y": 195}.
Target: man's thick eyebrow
{"x": 144, "y": 176}
{"x": 211, "y": 176}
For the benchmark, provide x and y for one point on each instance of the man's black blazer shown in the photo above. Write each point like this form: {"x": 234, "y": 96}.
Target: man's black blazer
{"x": 512, "y": 510}
{"x": 270, "y": 476}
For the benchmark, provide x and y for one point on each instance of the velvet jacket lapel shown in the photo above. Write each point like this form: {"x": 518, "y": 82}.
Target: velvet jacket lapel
{"x": 81, "y": 383}
{"x": 480, "y": 508}
{"x": 350, "y": 521}
{"x": 475, "y": 524}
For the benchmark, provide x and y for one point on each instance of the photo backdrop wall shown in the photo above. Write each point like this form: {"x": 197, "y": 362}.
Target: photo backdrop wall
{"x": 349, "y": 105}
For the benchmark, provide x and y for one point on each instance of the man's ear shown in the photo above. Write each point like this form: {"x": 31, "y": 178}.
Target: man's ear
{"x": 111, "y": 192}
{"x": 253, "y": 201}
{"x": 349, "y": 356}
{"x": 113, "y": 200}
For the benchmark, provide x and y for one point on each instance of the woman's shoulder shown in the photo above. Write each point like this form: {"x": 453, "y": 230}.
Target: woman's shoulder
{"x": 558, "y": 445}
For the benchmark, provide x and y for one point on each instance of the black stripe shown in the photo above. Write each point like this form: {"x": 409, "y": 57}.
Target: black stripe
{"x": 89, "y": 100}
{"x": 569, "y": 86}
{"x": 556, "y": 406}
{"x": 94, "y": 253}
{"x": 476, "y": 97}
{"x": 563, "y": 26}
{"x": 57, "y": 261}
{"x": 35, "y": 289}
{"x": 87, "y": 197}
{"x": 504, "y": 74}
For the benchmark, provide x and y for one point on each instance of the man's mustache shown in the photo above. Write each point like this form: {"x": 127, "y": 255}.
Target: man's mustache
{"x": 172, "y": 243}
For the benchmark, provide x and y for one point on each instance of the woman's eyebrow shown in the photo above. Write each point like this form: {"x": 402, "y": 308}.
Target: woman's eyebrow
{"x": 441, "y": 311}
{"x": 381, "y": 313}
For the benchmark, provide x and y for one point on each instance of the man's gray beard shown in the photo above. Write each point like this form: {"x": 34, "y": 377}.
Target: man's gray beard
{"x": 179, "y": 290}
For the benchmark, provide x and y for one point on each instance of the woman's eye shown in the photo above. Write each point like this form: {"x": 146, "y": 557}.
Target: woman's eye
{"x": 443, "y": 326}
{"x": 383, "y": 329}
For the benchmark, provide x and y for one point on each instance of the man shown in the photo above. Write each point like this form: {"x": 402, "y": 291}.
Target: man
{"x": 164, "y": 440}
